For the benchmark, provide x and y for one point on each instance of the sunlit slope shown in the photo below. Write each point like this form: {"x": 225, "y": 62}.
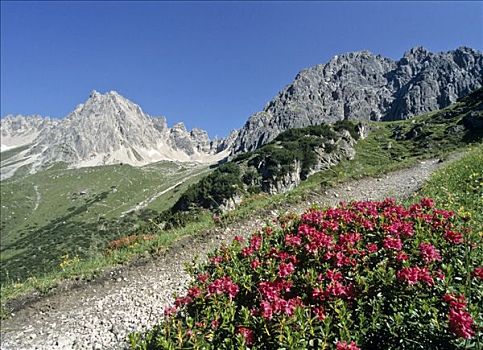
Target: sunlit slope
{"x": 62, "y": 211}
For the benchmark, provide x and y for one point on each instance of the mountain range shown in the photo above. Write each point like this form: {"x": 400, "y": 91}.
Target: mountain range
{"x": 106, "y": 129}
{"x": 110, "y": 129}
{"x": 361, "y": 85}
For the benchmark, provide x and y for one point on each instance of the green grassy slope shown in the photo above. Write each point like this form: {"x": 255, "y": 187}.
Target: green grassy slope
{"x": 459, "y": 187}
{"x": 398, "y": 144}
{"x": 61, "y": 211}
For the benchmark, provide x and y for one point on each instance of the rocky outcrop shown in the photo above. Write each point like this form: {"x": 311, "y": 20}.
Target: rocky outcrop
{"x": 225, "y": 144}
{"x": 284, "y": 182}
{"x": 361, "y": 85}
{"x": 334, "y": 149}
{"x": 230, "y": 203}
{"x": 340, "y": 149}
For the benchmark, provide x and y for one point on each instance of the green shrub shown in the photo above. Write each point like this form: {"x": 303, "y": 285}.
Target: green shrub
{"x": 213, "y": 190}
{"x": 348, "y": 125}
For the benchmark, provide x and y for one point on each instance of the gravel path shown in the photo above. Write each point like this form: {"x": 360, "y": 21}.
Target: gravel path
{"x": 99, "y": 315}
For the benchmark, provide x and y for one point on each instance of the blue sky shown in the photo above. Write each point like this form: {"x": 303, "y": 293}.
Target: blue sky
{"x": 209, "y": 64}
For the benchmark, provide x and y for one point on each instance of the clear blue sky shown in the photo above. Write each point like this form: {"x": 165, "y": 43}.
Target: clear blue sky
{"x": 209, "y": 64}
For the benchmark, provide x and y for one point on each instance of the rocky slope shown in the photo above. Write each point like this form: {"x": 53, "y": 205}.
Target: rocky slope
{"x": 19, "y": 130}
{"x": 106, "y": 129}
{"x": 274, "y": 168}
{"x": 308, "y": 151}
{"x": 361, "y": 85}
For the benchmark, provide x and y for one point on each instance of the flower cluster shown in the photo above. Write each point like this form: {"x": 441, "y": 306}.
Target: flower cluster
{"x": 223, "y": 285}
{"x": 460, "y": 321}
{"x": 347, "y": 346}
{"x": 351, "y": 277}
{"x": 413, "y": 275}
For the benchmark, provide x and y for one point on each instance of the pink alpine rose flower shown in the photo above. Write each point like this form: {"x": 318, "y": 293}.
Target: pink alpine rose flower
{"x": 461, "y": 323}
{"x": 371, "y": 248}
{"x": 247, "y": 334}
{"x": 170, "y": 311}
{"x": 453, "y": 237}
{"x": 347, "y": 346}
{"x": 266, "y": 310}
{"x": 223, "y": 285}
{"x": 427, "y": 203}
{"x": 319, "y": 313}
{"x": 203, "y": 277}
{"x": 255, "y": 264}
{"x": 285, "y": 269}
{"x": 401, "y": 256}
{"x": 256, "y": 242}
{"x": 429, "y": 253}
{"x": 239, "y": 239}
{"x": 456, "y": 301}
{"x": 478, "y": 272}
{"x": 393, "y": 243}
{"x": 292, "y": 240}
{"x": 425, "y": 276}
{"x": 334, "y": 275}
{"x": 409, "y": 275}
{"x": 215, "y": 324}
{"x": 216, "y": 260}
{"x": 194, "y": 292}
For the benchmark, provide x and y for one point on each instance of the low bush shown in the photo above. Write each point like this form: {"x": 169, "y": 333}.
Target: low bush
{"x": 213, "y": 190}
{"x": 350, "y": 126}
{"x": 128, "y": 241}
{"x": 364, "y": 275}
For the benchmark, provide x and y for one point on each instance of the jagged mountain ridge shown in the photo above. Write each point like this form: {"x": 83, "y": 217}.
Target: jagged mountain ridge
{"x": 106, "y": 129}
{"x": 361, "y": 85}
{"x": 110, "y": 129}
{"x": 19, "y": 130}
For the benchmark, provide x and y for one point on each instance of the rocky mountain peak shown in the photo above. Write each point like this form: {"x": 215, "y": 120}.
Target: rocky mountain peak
{"x": 107, "y": 129}
{"x": 94, "y": 94}
{"x": 111, "y": 97}
{"x": 179, "y": 127}
{"x": 362, "y": 85}
{"x": 107, "y": 108}
{"x": 417, "y": 53}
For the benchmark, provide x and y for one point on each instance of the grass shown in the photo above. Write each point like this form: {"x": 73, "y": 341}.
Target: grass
{"x": 381, "y": 152}
{"x": 59, "y": 211}
{"x": 89, "y": 268}
{"x": 459, "y": 187}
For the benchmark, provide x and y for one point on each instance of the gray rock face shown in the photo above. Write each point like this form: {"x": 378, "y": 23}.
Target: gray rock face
{"x": 200, "y": 140}
{"x": 106, "y": 129}
{"x": 180, "y": 139}
{"x": 284, "y": 183}
{"x": 21, "y": 130}
{"x": 341, "y": 147}
{"x": 361, "y": 85}
{"x": 226, "y": 143}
